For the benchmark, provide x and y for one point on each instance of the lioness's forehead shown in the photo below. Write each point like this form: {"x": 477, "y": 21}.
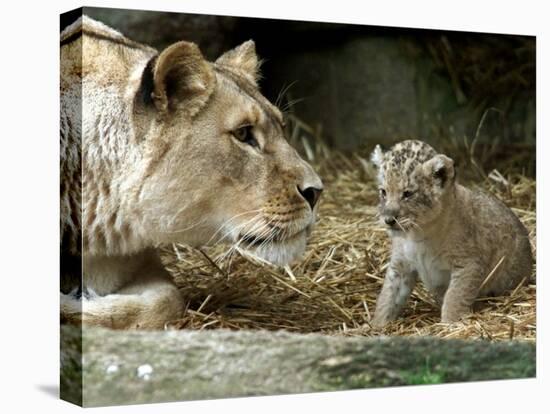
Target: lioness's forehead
{"x": 246, "y": 88}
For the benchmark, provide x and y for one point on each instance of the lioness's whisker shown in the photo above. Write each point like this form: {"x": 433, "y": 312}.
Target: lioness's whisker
{"x": 268, "y": 231}
{"x": 185, "y": 228}
{"x": 257, "y": 224}
{"x": 226, "y": 223}
{"x": 255, "y": 220}
{"x": 283, "y": 92}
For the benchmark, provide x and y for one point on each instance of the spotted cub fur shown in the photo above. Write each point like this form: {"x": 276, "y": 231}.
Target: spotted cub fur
{"x": 460, "y": 243}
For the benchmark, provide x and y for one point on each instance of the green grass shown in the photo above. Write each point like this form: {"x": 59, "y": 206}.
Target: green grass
{"x": 426, "y": 375}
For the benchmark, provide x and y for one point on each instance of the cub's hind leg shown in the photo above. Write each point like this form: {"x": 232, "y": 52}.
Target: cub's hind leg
{"x": 462, "y": 292}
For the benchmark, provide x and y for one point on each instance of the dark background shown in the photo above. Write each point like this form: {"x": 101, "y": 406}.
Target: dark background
{"x": 359, "y": 85}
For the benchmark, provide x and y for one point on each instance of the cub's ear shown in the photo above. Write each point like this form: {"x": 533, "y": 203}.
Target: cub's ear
{"x": 243, "y": 59}
{"x": 377, "y": 156}
{"x": 441, "y": 169}
{"x": 181, "y": 77}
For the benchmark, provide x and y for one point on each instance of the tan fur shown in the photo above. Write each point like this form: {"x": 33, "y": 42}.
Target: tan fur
{"x": 163, "y": 160}
{"x": 449, "y": 237}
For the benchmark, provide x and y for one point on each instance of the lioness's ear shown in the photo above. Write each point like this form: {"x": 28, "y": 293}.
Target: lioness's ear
{"x": 244, "y": 59}
{"x": 377, "y": 156}
{"x": 182, "y": 77}
{"x": 440, "y": 168}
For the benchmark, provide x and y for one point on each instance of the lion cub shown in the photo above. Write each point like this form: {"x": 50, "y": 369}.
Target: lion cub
{"x": 460, "y": 243}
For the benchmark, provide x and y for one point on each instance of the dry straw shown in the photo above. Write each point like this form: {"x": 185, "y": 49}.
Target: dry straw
{"x": 334, "y": 289}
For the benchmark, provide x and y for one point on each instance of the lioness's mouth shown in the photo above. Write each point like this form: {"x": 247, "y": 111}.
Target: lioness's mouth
{"x": 251, "y": 240}
{"x": 278, "y": 247}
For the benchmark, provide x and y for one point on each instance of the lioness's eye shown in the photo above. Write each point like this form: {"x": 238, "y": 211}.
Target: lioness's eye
{"x": 382, "y": 193}
{"x": 407, "y": 194}
{"x": 244, "y": 134}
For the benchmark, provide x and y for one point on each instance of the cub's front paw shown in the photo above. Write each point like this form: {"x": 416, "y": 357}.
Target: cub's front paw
{"x": 452, "y": 312}
{"x": 379, "y": 321}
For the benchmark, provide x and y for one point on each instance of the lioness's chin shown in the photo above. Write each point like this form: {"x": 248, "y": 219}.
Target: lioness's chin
{"x": 281, "y": 253}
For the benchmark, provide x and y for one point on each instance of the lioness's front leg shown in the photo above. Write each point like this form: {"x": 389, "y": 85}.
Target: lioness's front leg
{"x": 146, "y": 300}
{"x": 398, "y": 284}
{"x": 462, "y": 292}
{"x": 143, "y": 304}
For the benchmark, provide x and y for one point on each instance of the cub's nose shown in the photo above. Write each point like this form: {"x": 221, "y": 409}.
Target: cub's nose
{"x": 311, "y": 195}
{"x": 390, "y": 221}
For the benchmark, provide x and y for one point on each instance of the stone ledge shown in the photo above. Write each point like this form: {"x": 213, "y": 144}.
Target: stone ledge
{"x": 144, "y": 367}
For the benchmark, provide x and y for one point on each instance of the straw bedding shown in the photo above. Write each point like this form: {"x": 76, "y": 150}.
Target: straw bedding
{"x": 334, "y": 289}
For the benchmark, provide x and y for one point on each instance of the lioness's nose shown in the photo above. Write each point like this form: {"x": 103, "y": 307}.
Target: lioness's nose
{"x": 309, "y": 184}
{"x": 311, "y": 195}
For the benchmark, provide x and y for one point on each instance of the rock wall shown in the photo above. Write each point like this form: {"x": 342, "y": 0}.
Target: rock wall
{"x": 361, "y": 85}
{"x": 142, "y": 367}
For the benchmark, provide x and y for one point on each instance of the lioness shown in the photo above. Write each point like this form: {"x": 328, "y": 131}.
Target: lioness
{"x": 460, "y": 243}
{"x": 161, "y": 148}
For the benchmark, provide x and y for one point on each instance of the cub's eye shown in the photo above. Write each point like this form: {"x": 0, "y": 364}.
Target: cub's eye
{"x": 407, "y": 194}
{"x": 382, "y": 193}
{"x": 244, "y": 134}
